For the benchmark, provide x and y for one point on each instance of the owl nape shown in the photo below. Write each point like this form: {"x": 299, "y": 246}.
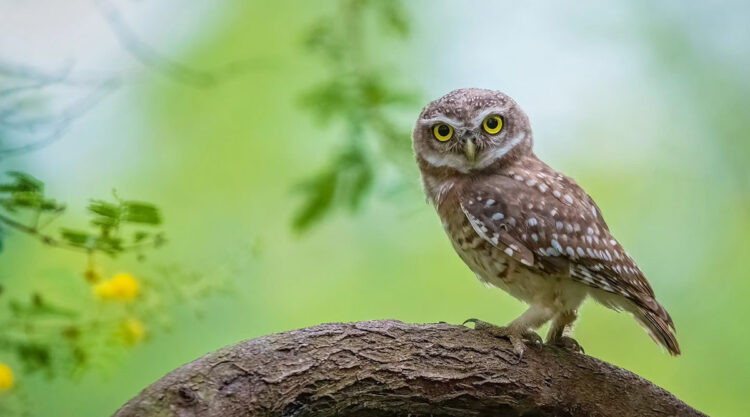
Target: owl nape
{"x": 523, "y": 227}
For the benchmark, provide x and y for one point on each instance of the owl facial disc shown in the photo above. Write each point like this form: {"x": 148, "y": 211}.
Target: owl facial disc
{"x": 470, "y": 130}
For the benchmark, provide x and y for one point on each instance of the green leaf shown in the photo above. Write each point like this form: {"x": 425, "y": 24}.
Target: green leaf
{"x": 329, "y": 99}
{"x": 141, "y": 213}
{"x": 22, "y": 182}
{"x": 110, "y": 245}
{"x": 78, "y": 238}
{"x": 319, "y": 198}
{"x": 35, "y": 356}
{"x": 324, "y": 38}
{"x": 360, "y": 184}
{"x": 105, "y": 210}
{"x": 159, "y": 240}
{"x": 393, "y": 16}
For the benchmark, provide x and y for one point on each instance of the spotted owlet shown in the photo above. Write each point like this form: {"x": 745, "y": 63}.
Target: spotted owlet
{"x": 522, "y": 226}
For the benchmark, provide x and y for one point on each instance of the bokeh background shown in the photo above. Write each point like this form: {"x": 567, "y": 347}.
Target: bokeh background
{"x": 646, "y": 105}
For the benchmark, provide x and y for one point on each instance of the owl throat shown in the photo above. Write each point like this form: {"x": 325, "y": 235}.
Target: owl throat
{"x": 440, "y": 182}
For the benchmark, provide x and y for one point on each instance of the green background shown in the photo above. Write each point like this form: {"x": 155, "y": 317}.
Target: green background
{"x": 646, "y": 108}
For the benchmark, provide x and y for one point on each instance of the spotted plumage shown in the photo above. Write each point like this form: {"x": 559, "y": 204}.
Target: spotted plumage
{"x": 519, "y": 224}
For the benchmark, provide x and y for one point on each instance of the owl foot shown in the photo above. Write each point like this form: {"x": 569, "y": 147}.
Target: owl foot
{"x": 517, "y": 337}
{"x": 567, "y": 343}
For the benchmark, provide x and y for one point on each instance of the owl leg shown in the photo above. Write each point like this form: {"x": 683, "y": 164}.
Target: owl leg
{"x": 562, "y": 325}
{"x": 519, "y": 330}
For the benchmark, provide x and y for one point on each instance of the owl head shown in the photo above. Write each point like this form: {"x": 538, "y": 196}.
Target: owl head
{"x": 470, "y": 130}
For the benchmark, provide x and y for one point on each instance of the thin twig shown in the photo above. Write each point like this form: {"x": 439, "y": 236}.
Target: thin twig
{"x": 151, "y": 58}
{"x": 46, "y": 239}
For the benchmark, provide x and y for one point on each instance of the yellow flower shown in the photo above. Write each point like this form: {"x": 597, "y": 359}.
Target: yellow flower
{"x": 133, "y": 331}
{"x": 6, "y": 377}
{"x": 121, "y": 287}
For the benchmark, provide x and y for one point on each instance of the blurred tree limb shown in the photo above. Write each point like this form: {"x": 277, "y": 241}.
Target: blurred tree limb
{"x": 24, "y": 88}
{"x": 157, "y": 62}
{"x": 388, "y": 368}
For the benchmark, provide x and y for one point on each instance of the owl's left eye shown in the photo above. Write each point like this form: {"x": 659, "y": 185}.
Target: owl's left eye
{"x": 492, "y": 124}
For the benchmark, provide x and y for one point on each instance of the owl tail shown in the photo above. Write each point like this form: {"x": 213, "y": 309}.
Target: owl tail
{"x": 658, "y": 324}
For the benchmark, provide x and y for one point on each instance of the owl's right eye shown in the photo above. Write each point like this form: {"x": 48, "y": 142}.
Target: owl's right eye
{"x": 443, "y": 132}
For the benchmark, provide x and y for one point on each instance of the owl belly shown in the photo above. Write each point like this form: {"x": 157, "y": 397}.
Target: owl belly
{"x": 493, "y": 267}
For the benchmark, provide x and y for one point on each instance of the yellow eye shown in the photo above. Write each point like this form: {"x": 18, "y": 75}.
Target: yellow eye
{"x": 443, "y": 132}
{"x": 492, "y": 124}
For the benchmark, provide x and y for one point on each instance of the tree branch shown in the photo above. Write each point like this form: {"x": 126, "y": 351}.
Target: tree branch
{"x": 388, "y": 368}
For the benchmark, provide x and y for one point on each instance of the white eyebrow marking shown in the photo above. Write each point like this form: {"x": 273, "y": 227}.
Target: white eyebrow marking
{"x": 441, "y": 119}
{"x": 492, "y": 110}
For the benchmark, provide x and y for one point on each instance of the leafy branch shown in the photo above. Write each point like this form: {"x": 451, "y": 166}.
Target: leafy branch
{"x": 358, "y": 95}
{"x": 24, "y": 195}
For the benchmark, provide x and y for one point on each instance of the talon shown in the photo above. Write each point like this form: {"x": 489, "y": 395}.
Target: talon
{"x": 518, "y": 346}
{"x": 567, "y": 343}
{"x": 470, "y": 321}
{"x": 516, "y": 337}
{"x": 533, "y": 337}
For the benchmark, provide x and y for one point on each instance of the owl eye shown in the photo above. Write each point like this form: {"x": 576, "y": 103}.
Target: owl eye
{"x": 443, "y": 132}
{"x": 492, "y": 124}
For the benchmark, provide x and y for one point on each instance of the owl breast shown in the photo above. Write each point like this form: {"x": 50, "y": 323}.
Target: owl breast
{"x": 490, "y": 264}
{"x": 494, "y": 267}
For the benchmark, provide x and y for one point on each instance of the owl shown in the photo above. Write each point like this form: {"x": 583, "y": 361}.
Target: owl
{"x": 522, "y": 226}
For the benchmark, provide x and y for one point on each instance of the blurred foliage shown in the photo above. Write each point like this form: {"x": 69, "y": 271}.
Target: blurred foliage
{"x": 59, "y": 335}
{"x": 91, "y": 326}
{"x": 357, "y": 95}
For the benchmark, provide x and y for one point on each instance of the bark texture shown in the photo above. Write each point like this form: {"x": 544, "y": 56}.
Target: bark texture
{"x": 388, "y": 368}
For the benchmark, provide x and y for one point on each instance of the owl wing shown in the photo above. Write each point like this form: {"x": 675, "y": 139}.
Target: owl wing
{"x": 555, "y": 228}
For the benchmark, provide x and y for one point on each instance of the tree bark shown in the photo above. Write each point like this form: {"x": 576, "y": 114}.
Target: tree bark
{"x": 388, "y": 368}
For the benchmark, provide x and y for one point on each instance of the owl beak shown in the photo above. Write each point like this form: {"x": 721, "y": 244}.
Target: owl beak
{"x": 470, "y": 149}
